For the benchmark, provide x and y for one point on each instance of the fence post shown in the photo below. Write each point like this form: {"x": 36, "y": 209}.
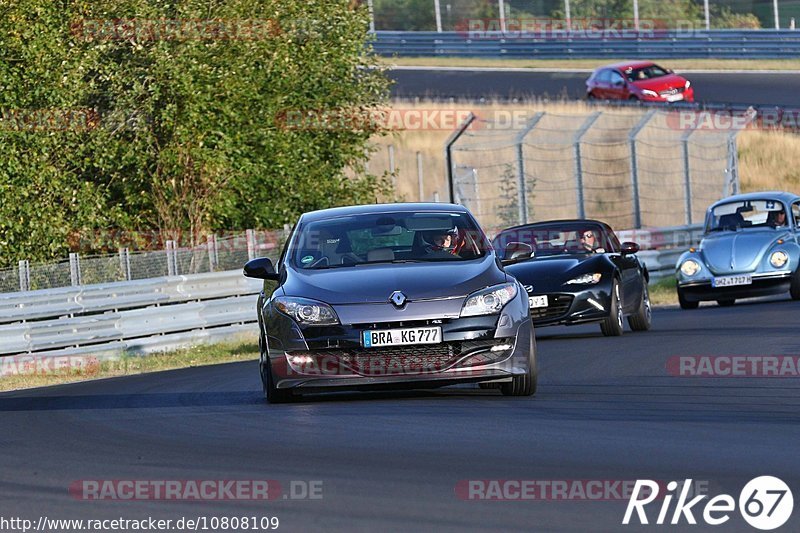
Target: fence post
{"x": 250, "y": 235}
{"x": 213, "y": 258}
{"x": 522, "y": 193}
{"x": 448, "y": 152}
{"x": 436, "y": 196}
{"x": 687, "y": 175}
{"x": 578, "y": 164}
{"x": 637, "y": 213}
{"x": 172, "y": 259}
{"x": 24, "y": 275}
{"x": 420, "y": 178}
{"x": 733, "y": 164}
{"x": 75, "y": 269}
{"x": 125, "y": 263}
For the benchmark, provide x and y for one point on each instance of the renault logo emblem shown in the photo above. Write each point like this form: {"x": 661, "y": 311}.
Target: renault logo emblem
{"x": 398, "y": 298}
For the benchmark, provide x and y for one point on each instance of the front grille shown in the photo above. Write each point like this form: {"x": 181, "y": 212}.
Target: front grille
{"x": 670, "y": 92}
{"x": 557, "y": 306}
{"x": 393, "y": 360}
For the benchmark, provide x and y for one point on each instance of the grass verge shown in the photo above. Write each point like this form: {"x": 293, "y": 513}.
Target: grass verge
{"x": 80, "y": 369}
{"x": 677, "y": 64}
{"x": 663, "y": 292}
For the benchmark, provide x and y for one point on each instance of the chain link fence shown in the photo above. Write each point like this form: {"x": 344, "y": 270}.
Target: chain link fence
{"x": 217, "y": 254}
{"x": 631, "y": 169}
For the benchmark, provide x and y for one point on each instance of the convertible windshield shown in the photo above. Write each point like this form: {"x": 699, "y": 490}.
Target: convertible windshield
{"x": 746, "y": 214}
{"x": 397, "y": 237}
{"x": 556, "y": 239}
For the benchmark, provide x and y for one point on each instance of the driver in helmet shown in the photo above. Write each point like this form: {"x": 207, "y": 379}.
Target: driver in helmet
{"x": 442, "y": 242}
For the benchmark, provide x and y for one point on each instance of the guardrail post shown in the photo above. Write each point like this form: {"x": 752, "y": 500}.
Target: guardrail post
{"x": 448, "y": 152}
{"x": 522, "y": 193}
{"x": 637, "y": 212}
{"x": 578, "y": 163}
{"x": 125, "y": 263}
{"x": 250, "y": 236}
{"x": 24, "y": 275}
{"x": 75, "y": 269}
{"x": 213, "y": 256}
{"x": 172, "y": 259}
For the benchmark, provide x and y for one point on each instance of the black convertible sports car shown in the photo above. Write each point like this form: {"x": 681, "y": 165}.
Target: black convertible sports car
{"x": 575, "y": 272}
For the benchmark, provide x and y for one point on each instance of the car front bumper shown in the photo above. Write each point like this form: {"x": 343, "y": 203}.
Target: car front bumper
{"x": 764, "y": 284}
{"x": 571, "y": 308}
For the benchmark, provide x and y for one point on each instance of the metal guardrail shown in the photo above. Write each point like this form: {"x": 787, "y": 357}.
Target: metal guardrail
{"x": 135, "y": 316}
{"x": 715, "y": 44}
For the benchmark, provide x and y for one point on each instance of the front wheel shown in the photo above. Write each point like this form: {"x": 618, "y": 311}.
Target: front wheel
{"x": 612, "y": 326}
{"x": 643, "y": 318}
{"x": 794, "y": 288}
{"x": 684, "y": 303}
{"x": 524, "y": 384}
{"x": 271, "y": 393}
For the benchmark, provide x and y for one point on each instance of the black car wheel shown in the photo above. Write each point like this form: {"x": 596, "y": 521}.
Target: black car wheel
{"x": 612, "y": 326}
{"x": 684, "y": 303}
{"x": 794, "y": 288}
{"x": 726, "y": 302}
{"x": 643, "y": 318}
{"x": 525, "y": 384}
{"x": 271, "y": 393}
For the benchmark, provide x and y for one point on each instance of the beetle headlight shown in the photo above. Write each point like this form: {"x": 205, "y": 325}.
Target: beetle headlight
{"x": 586, "y": 279}
{"x": 489, "y": 301}
{"x": 305, "y": 311}
{"x": 778, "y": 258}
{"x": 690, "y": 267}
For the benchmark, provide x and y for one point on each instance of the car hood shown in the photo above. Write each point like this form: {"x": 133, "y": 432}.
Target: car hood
{"x": 552, "y": 269}
{"x": 738, "y": 251}
{"x": 376, "y": 283}
{"x": 661, "y": 83}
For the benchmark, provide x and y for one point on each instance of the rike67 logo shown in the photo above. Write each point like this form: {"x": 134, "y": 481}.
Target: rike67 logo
{"x": 765, "y": 503}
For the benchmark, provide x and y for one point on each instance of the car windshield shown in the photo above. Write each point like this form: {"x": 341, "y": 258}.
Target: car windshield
{"x": 746, "y": 214}
{"x": 555, "y": 239}
{"x": 645, "y": 73}
{"x": 396, "y": 237}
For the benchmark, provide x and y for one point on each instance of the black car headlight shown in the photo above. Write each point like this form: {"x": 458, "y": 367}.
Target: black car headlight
{"x": 586, "y": 279}
{"x": 306, "y": 311}
{"x": 489, "y": 301}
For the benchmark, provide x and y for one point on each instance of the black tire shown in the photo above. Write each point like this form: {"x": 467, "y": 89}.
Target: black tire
{"x": 684, "y": 303}
{"x": 271, "y": 393}
{"x": 524, "y": 384}
{"x": 727, "y": 302}
{"x": 612, "y": 326}
{"x": 643, "y": 318}
{"x": 794, "y": 288}
{"x": 590, "y": 96}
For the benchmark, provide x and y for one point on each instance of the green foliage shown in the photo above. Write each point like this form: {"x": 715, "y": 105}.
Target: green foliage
{"x": 189, "y": 133}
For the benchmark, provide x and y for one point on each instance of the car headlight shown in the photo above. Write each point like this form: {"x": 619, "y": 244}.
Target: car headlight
{"x": 690, "y": 267}
{"x": 688, "y": 84}
{"x": 648, "y": 92}
{"x": 586, "y": 279}
{"x": 489, "y": 301}
{"x": 778, "y": 259}
{"x": 305, "y": 311}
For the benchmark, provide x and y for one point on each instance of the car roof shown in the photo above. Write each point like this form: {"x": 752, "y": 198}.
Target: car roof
{"x": 785, "y": 197}
{"x": 334, "y": 212}
{"x": 560, "y": 221}
{"x": 623, "y": 65}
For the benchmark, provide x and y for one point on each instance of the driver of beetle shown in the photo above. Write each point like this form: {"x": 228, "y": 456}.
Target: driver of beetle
{"x": 776, "y": 218}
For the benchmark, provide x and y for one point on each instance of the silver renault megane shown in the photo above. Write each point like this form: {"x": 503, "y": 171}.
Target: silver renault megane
{"x": 391, "y": 296}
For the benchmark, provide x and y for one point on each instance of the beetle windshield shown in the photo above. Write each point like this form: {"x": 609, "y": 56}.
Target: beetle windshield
{"x": 396, "y": 237}
{"x": 555, "y": 239}
{"x": 746, "y": 214}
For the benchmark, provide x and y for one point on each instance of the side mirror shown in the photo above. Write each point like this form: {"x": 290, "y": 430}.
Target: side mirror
{"x": 517, "y": 250}
{"x": 629, "y": 248}
{"x": 260, "y": 268}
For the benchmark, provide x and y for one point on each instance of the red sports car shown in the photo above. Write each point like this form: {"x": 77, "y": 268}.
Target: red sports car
{"x": 638, "y": 80}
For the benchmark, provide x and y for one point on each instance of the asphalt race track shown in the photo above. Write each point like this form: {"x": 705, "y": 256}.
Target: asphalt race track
{"x": 780, "y": 89}
{"x": 606, "y": 410}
